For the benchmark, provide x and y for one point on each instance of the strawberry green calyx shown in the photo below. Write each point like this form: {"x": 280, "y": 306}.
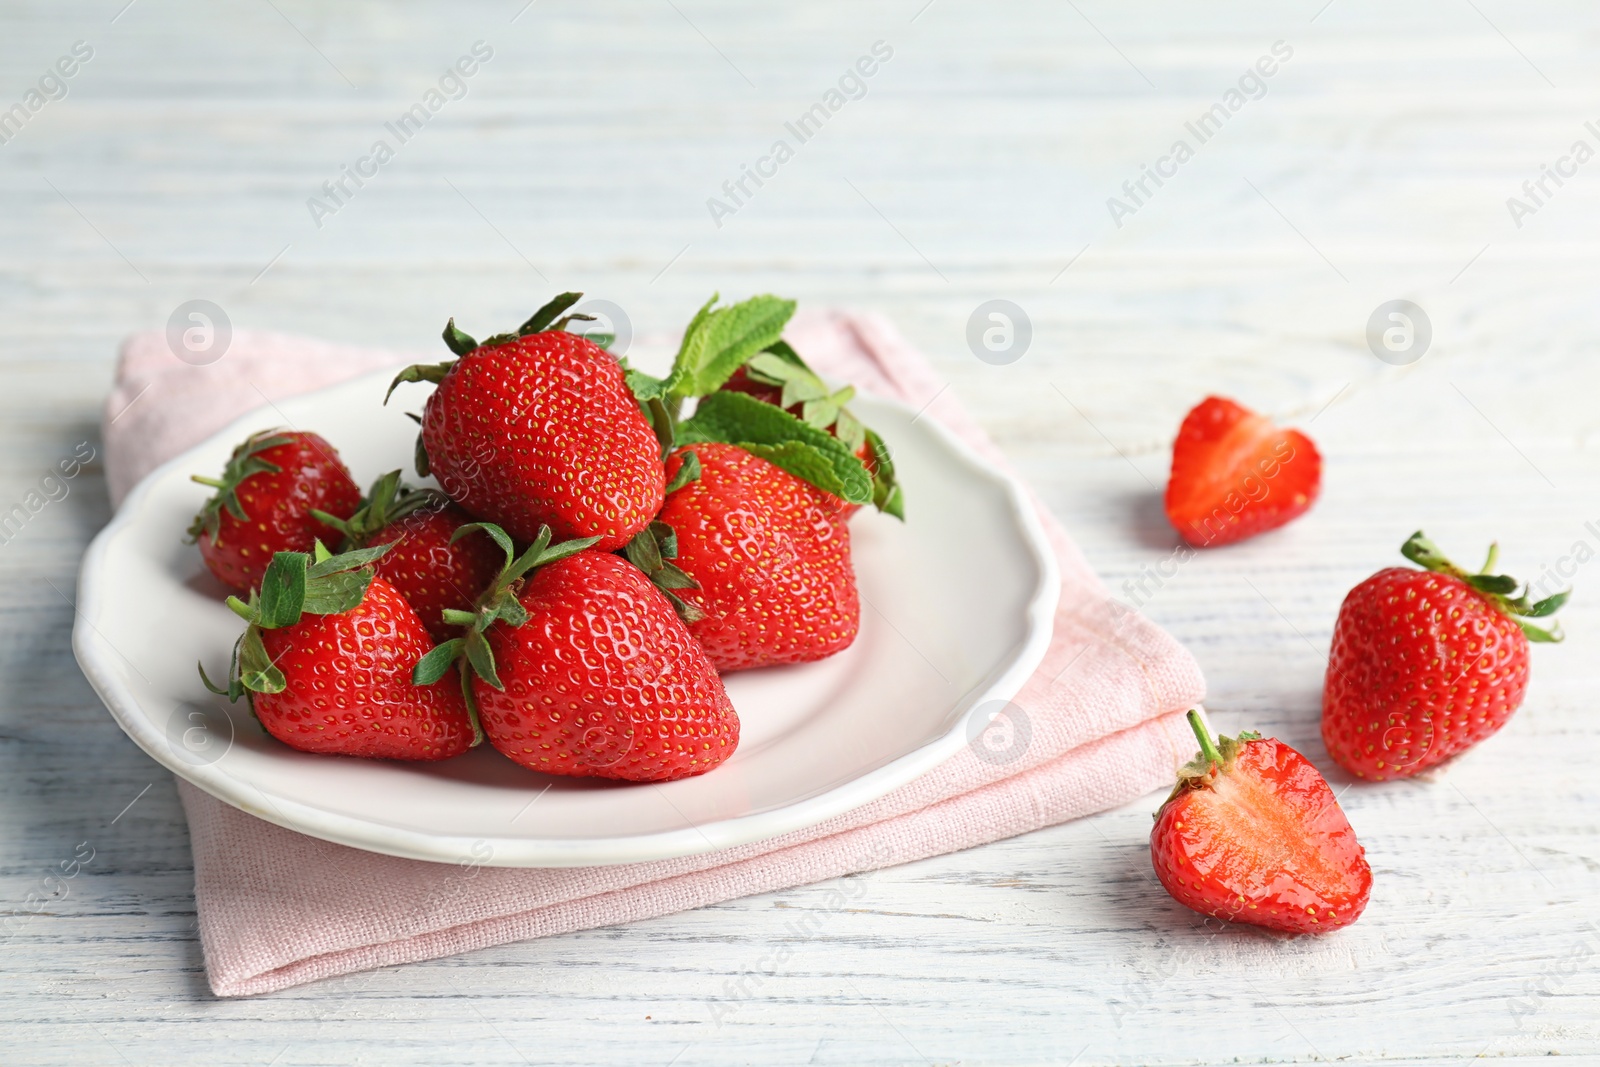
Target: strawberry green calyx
{"x": 294, "y": 585}
{"x": 245, "y": 461}
{"x": 1214, "y": 757}
{"x": 653, "y": 550}
{"x": 1508, "y": 596}
{"x": 471, "y": 654}
{"x": 549, "y": 317}
{"x": 388, "y": 500}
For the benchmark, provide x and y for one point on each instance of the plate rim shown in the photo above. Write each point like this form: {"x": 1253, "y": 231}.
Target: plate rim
{"x": 92, "y": 650}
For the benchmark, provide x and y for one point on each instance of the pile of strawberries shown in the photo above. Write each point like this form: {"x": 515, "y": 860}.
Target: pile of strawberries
{"x": 1425, "y": 664}
{"x": 592, "y": 562}
{"x": 595, "y": 559}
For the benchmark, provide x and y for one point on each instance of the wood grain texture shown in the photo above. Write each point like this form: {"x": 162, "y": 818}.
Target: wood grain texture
{"x": 977, "y": 165}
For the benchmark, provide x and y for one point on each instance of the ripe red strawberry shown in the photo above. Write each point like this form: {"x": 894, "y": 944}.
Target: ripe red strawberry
{"x": 264, "y": 502}
{"x": 1235, "y": 474}
{"x": 1253, "y": 834}
{"x": 327, "y": 662}
{"x": 768, "y": 554}
{"x": 540, "y": 428}
{"x": 1425, "y": 664}
{"x": 579, "y": 666}
{"x": 433, "y": 569}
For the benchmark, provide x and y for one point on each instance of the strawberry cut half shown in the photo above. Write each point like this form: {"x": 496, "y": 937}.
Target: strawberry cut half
{"x": 1235, "y": 474}
{"x": 1252, "y": 833}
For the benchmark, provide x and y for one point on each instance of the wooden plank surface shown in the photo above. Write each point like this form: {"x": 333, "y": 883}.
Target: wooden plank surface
{"x": 1375, "y": 165}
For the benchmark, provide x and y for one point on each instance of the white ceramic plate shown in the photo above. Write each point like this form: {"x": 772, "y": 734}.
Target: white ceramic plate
{"x": 957, "y": 609}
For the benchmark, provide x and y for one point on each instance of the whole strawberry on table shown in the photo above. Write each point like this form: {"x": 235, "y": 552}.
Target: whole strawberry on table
{"x": 1427, "y": 663}
{"x": 594, "y": 557}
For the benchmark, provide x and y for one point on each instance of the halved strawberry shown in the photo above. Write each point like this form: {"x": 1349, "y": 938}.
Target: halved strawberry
{"x": 1253, "y": 834}
{"x": 1235, "y": 474}
{"x": 267, "y": 501}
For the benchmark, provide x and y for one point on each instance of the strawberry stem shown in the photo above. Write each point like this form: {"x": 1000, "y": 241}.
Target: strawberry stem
{"x": 1504, "y": 592}
{"x": 1208, "y": 747}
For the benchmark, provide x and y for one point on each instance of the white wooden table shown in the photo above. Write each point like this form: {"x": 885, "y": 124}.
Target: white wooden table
{"x": 977, "y": 165}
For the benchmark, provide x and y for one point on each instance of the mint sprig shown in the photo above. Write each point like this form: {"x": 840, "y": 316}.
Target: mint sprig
{"x": 721, "y": 340}
{"x": 781, "y": 439}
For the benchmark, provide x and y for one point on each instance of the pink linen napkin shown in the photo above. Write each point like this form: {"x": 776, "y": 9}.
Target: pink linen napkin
{"x": 277, "y": 908}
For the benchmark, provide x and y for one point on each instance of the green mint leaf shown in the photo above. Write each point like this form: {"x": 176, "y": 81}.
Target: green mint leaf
{"x": 719, "y": 342}
{"x": 886, "y": 494}
{"x": 645, "y": 387}
{"x": 784, "y": 351}
{"x": 778, "y": 437}
{"x": 823, "y": 470}
{"x": 849, "y": 430}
